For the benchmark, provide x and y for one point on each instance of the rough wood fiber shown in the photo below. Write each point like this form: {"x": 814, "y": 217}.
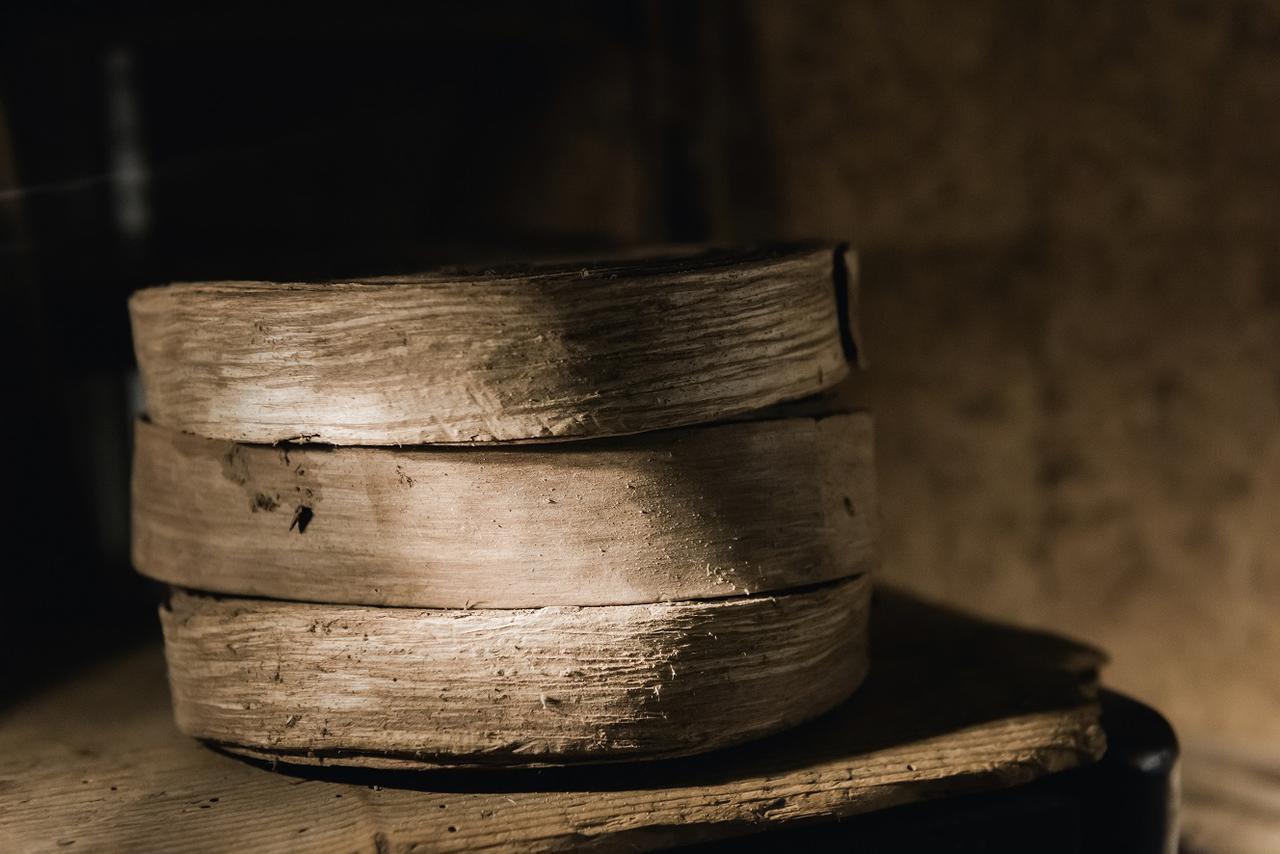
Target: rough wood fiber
{"x": 693, "y": 513}
{"x": 400, "y": 687}
{"x": 953, "y": 706}
{"x": 529, "y": 353}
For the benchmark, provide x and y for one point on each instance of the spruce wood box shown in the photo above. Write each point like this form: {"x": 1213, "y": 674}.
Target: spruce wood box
{"x": 540, "y": 514}
{"x": 414, "y": 688}
{"x": 693, "y": 513}
{"x": 519, "y": 353}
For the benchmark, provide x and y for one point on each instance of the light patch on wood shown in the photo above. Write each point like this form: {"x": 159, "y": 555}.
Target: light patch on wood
{"x": 700, "y": 512}
{"x": 528, "y": 353}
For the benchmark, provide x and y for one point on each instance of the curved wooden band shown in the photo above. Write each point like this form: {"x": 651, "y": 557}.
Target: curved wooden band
{"x": 695, "y": 513}
{"x": 398, "y": 687}
{"x": 532, "y": 353}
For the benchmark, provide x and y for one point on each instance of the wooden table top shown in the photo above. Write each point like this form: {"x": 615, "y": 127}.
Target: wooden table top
{"x": 953, "y": 705}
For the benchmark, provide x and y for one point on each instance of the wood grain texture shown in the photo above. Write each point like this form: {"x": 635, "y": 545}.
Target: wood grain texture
{"x": 952, "y": 706}
{"x": 699, "y": 512}
{"x": 526, "y": 353}
{"x": 400, "y": 687}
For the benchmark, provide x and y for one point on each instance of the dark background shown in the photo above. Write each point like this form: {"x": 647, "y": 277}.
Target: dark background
{"x": 138, "y": 148}
{"x": 1067, "y": 213}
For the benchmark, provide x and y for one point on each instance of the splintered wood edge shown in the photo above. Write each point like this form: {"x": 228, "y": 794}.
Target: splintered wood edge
{"x": 993, "y": 755}
{"x": 511, "y": 356}
{"x": 695, "y": 513}
{"x": 408, "y": 688}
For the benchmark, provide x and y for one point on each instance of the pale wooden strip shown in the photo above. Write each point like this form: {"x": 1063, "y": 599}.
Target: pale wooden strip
{"x": 685, "y": 514}
{"x": 385, "y": 687}
{"x": 952, "y": 706}
{"x": 529, "y": 353}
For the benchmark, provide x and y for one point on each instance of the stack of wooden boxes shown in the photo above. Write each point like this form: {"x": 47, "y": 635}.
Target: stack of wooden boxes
{"x": 538, "y": 514}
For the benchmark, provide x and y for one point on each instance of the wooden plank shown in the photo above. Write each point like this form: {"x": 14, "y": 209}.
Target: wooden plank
{"x": 695, "y": 513}
{"x": 952, "y": 705}
{"x": 410, "y": 688}
{"x": 524, "y": 353}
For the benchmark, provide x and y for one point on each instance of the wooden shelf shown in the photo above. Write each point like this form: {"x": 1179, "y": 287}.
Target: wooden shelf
{"x": 953, "y": 705}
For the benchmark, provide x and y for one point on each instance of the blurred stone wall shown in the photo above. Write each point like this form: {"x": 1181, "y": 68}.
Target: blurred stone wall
{"x": 1068, "y": 215}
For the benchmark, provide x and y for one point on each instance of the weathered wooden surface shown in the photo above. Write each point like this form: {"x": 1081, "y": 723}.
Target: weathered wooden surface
{"x": 528, "y": 353}
{"x": 951, "y": 706}
{"x": 693, "y": 513}
{"x": 402, "y": 687}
